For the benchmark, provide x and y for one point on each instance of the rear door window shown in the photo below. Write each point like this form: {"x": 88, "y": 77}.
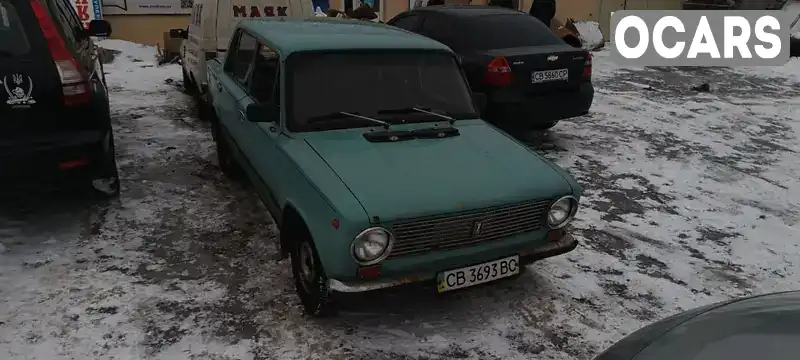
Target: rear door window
{"x": 439, "y": 28}
{"x": 502, "y": 31}
{"x": 62, "y": 24}
{"x": 239, "y": 61}
{"x": 13, "y": 40}
{"x": 409, "y": 22}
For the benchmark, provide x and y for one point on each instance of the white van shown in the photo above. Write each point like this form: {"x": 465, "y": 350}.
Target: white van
{"x": 211, "y": 25}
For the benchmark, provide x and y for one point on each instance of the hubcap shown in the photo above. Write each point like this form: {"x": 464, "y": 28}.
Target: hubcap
{"x": 307, "y": 271}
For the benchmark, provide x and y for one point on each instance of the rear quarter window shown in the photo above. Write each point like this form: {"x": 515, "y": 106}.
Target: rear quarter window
{"x": 502, "y": 31}
{"x": 13, "y": 40}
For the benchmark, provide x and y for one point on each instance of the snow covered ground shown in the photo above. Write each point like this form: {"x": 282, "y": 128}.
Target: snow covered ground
{"x": 689, "y": 198}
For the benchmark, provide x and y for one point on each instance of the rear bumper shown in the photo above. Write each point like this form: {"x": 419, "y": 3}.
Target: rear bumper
{"x": 529, "y": 112}
{"x": 527, "y": 255}
{"x": 54, "y": 159}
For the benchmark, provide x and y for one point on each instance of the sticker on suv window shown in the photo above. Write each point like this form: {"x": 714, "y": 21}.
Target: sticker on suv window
{"x": 18, "y": 95}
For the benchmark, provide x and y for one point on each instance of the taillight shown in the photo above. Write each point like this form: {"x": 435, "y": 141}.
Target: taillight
{"x": 74, "y": 79}
{"x": 587, "y": 68}
{"x": 498, "y": 72}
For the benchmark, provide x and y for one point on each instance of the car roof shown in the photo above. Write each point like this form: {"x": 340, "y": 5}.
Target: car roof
{"x": 467, "y": 10}
{"x": 321, "y": 33}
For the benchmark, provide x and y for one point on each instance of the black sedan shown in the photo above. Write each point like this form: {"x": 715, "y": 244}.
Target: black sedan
{"x": 764, "y": 327}
{"x": 531, "y": 78}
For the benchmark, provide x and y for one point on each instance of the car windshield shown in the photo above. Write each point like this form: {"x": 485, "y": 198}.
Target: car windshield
{"x": 502, "y": 31}
{"x": 388, "y": 86}
{"x": 13, "y": 41}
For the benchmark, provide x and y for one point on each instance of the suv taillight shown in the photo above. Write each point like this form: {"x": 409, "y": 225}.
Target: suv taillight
{"x": 587, "y": 68}
{"x": 498, "y": 72}
{"x": 74, "y": 79}
{"x": 73, "y": 82}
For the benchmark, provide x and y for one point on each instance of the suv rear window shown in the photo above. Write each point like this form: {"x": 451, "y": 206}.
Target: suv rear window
{"x": 13, "y": 41}
{"x": 503, "y": 31}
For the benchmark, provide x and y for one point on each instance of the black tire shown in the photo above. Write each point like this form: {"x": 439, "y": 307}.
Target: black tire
{"x": 794, "y": 46}
{"x": 227, "y": 162}
{"x": 309, "y": 278}
{"x": 105, "y": 184}
{"x": 189, "y": 85}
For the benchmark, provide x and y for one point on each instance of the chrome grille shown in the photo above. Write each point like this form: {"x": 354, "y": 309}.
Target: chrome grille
{"x": 418, "y": 236}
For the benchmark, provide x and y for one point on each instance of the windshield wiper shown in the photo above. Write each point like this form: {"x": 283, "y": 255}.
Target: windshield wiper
{"x": 346, "y": 115}
{"x": 450, "y": 117}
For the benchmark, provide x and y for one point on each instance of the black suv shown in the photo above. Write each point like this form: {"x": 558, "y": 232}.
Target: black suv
{"x": 55, "y": 123}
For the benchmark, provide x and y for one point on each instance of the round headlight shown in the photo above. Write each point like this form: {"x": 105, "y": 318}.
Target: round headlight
{"x": 371, "y": 245}
{"x": 561, "y": 212}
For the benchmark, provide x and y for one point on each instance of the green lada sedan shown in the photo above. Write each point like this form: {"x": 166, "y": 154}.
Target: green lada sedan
{"x": 365, "y": 143}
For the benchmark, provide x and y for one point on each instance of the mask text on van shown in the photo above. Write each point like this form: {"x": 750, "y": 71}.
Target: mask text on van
{"x": 241, "y": 11}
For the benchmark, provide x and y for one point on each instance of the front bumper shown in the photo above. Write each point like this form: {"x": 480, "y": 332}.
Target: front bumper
{"x": 563, "y": 245}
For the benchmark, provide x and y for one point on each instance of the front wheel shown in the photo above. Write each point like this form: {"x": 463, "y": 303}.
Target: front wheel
{"x": 310, "y": 279}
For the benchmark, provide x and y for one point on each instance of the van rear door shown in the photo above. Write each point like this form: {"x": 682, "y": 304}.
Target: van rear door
{"x": 30, "y": 87}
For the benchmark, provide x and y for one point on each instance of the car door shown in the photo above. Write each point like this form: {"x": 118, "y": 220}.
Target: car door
{"x": 259, "y": 140}
{"x": 231, "y": 86}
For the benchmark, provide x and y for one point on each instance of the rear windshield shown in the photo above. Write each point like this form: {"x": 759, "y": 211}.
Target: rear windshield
{"x": 503, "y": 31}
{"x": 372, "y": 84}
{"x": 13, "y": 41}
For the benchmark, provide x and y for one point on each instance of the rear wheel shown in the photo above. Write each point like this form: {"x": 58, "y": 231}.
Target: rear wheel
{"x": 227, "y": 163}
{"x": 105, "y": 184}
{"x": 310, "y": 279}
{"x": 189, "y": 85}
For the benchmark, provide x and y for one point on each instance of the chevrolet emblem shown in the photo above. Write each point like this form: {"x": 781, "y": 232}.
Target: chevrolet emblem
{"x": 552, "y": 58}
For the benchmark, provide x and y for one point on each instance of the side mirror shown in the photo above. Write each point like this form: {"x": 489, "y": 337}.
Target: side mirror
{"x": 178, "y": 34}
{"x": 99, "y": 28}
{"x": 480, "y": 101}
{"x": 262, "y": 112}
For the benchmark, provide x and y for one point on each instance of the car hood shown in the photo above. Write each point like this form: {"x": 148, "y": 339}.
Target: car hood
{"x": 479, "y": 168}
{"x": 760, "y": 326}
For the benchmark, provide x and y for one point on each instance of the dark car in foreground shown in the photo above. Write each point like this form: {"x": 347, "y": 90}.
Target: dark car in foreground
{"x": 531, "y": 78}
{"x": 54, "y": 111}
{"x": 764, "y": 327}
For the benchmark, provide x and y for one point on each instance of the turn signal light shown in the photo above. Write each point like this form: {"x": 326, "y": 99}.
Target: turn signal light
{"x": 369, "y": 272}
{"x": 555, "y": 235}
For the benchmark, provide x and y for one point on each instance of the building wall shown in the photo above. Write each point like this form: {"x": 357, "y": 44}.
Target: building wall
{"x": 145, "y": 29}
{"x": 149, "y": 29}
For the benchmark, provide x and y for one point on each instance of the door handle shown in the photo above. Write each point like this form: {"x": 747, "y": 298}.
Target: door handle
{"x": 241, "y": 115}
